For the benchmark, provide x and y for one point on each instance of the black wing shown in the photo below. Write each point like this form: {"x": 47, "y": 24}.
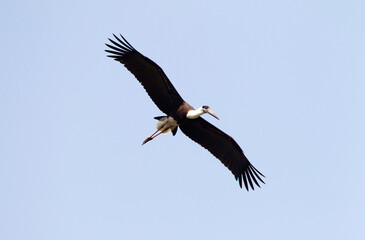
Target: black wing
{"x": 148, "y": 73}
{"x": 224, "y": 148}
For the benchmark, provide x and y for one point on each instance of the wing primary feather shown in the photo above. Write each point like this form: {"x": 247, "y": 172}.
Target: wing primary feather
{"x": 120, "y": 46}
{"x": 248, "y": 174}
{"x": 117, "y": 44}
{"x": 113, "y": 52}
{"x": 129, "y": 45}
{"x": 123, "y": 43}
{"x": 252, "y": 176}
{"x": 256, "y": 172}
{"x": 115, "y": 48}
{"x": 126, "y": 44}
{"x": 244, "y": 180}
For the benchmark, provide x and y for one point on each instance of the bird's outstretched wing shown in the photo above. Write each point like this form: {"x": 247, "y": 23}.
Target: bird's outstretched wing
{"x": 148, "y": 73}
{"x": 224, "y": 148}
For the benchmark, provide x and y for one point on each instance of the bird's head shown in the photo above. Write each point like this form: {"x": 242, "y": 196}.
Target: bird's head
{"x": 192, "y": 114}
{"x": 206, "y": 109}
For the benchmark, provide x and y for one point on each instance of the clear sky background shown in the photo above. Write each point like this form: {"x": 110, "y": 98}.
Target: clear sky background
{"x": 286, "y": 78}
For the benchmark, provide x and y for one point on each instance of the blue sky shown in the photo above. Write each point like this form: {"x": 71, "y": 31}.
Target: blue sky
{"x": 286, "y": 79}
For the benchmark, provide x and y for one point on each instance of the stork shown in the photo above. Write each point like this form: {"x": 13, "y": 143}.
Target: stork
{"x": 179, "y": 114}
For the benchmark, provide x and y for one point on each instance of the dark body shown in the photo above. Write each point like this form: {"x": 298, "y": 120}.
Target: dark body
{"x": 169, "y": 101}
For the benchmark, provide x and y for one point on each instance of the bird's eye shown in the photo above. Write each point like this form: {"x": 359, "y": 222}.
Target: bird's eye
{"x": 205, "y": 107}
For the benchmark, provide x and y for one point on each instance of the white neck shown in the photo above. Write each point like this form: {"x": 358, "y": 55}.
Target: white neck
{"x": 192, "y": 114}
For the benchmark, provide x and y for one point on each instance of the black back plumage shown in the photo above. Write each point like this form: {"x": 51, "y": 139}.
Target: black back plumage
{"x": 168, "y": 100}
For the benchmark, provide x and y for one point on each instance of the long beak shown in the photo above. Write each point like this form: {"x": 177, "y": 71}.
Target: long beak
{"x": 212, "y": 113}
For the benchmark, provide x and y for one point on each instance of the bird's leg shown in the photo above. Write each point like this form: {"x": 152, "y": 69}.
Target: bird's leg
{"x": 151, "y": 137}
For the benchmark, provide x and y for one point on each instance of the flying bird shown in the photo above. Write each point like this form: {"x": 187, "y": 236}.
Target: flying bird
{"x": 179, "y": 114}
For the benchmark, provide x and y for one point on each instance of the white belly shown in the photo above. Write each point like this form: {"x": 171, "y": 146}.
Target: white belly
{"x": 166, "y": 124}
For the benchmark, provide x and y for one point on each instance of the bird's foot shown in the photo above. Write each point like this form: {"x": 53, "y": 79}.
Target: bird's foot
{"x": 147, "y": 140}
